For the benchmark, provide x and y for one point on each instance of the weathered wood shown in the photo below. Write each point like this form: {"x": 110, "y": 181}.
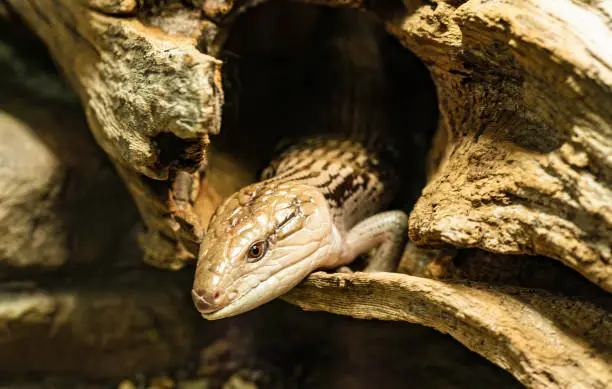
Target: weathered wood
{"x": 525, "y": 93}
{"x": 151, "y": 97}
{"x": 545, "y": 340}
{"x": 143, "y": 90}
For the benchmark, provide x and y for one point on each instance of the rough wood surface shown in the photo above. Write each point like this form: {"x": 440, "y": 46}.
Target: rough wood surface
{"x": 145, "y": 92}
{"x": 525, "y": 93}
{"x": 545, "y": 340}
{"x": 525, "y": 98}
{"x": 150, "y": 96}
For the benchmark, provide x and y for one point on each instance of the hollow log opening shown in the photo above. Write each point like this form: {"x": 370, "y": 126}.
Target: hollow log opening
{"x": 282, "y": 62}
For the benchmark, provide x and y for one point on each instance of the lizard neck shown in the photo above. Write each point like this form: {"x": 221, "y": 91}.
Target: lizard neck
{"x": 354, "y": 179}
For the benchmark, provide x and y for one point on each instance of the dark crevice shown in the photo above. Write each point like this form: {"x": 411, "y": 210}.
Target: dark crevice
{"x": 177, "y": 153}
{"x": 524, "y": 271}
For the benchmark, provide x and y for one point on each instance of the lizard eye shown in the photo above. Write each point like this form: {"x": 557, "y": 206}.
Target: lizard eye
{"x": 257, "y": 251}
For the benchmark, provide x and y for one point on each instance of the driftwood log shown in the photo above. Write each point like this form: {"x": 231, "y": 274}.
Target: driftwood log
{"x": 516, "y": 213}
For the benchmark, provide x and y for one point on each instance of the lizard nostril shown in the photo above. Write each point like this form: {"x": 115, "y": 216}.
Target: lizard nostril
{"x": 203, "y": 301}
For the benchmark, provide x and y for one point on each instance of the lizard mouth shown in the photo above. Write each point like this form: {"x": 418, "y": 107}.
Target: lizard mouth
{"x": 249, "y": 300}
{"x": 263, "y": 292}
{"x": 217, "y": 315}
{"x": 254, "y": 297}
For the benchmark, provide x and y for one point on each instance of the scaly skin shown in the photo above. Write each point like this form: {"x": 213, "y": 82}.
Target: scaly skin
{"x": 315, "y": 208}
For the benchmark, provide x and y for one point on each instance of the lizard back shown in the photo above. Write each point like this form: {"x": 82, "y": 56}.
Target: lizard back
{"x": 357, "y": 181}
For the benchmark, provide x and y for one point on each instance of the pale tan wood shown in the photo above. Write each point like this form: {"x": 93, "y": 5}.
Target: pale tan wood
{"x": 525, "y": 92}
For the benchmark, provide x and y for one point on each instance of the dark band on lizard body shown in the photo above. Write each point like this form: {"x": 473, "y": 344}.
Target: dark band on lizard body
{"x": 355, "y": 180}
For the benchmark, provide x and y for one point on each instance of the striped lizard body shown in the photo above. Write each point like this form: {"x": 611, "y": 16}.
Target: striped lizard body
{"x": 355, "y": 180}
{"x": 319, "y": 205}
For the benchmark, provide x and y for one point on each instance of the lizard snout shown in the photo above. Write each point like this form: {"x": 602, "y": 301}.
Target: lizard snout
{"x": 206, "y": 302}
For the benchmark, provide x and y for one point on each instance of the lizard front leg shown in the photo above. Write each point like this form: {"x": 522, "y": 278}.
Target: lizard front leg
{"x": 387, "y": 233}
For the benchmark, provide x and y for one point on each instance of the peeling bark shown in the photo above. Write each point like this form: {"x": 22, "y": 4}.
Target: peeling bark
{"x": 144, "y": 91}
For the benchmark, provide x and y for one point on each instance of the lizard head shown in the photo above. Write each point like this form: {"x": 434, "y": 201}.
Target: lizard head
{"x": 261, "y": 242}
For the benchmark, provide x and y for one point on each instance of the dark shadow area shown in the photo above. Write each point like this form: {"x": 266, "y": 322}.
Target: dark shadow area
{"x": 284, "y": 78}
{"x": 317, "y": 350}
